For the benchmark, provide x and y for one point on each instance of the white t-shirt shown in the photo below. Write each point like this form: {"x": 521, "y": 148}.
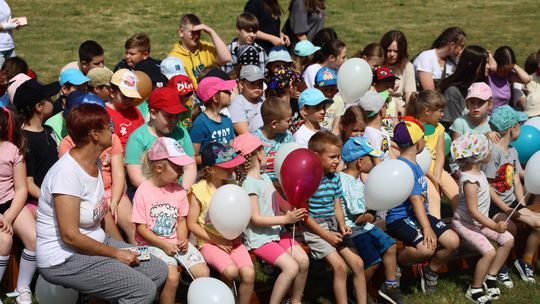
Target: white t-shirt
{"x": 303, "y": 134}
{"x": 6, "y": 37}
{"x": 428, "y": 62}
{"x": 380, "y": 139}
{"x": 67, "y": 177}
{"x": 483, "y": 199}
{"x": 243, "y": 110}
{"x": 309, "y": 74}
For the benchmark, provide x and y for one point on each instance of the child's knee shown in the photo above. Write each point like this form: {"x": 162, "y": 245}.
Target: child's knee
{"x": 173, "y": 276}
{"x": 230, "y": 272}
{"x": 391, "y": 250}
{"x": 490, "y": 255}
{"x": 247, "y": 274}
{"x": 303, "y": 262}
{"x": 424, "y": 252}
{"x": 339, "y": 268}
{"x": 6, "y": 240}
{"x": 450, "y": 240}
{"x": 200, "y": 270}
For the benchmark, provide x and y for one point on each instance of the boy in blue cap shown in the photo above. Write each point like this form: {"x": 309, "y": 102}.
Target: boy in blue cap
{"x": 373, "y": 245}
{"x": 326, "y": 82}
{"x": 312, "y": 104}
{"x": 506, "y": 190}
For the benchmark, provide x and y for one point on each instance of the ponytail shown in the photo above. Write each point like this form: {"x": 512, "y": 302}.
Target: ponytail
{"x": 423, "y": 100}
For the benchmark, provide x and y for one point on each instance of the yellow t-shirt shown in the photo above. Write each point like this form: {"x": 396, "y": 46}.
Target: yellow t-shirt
{"x": 203, "y": 192}
{"x": 195, "y": 62}
{"x": 431, "y": 143}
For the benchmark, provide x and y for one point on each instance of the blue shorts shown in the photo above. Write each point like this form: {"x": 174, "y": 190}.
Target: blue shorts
{"x": 409, "y": 231}
{"x": 371, "y": 245}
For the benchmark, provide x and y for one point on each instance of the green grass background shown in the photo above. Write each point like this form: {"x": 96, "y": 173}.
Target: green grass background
{"x": 56, "y": 28}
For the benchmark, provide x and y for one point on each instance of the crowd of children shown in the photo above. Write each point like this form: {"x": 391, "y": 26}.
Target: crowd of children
{"x": 218, "y": 114}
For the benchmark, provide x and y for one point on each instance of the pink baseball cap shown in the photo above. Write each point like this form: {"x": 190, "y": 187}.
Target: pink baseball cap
{"x": 247, "y": 143}
{"x": 209, "y": 86}
{"x": 168, "y": 148}
{"x": 480, "y": 90}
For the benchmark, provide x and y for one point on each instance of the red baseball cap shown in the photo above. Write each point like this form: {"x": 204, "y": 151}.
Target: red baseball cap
{"x": 182, "y": 84}
{"x": 381, "y": 74}
{"x": 166, "y": 99}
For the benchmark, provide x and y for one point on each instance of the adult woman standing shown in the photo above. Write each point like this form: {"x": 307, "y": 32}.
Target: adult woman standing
{"x": 396, "y": 58}
{"x": 268, "y": 12}
{"x": 439, "y": 62}
{"x": 7, "y": 24}
{"x": 72, "y": 249}
{"x": 474, "y": 65}
{"x": 306, "y": 18}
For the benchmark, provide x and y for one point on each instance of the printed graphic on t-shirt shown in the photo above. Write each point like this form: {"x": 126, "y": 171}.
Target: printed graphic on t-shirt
{"x": 164, "y": 216}
{"x": 422, "y": 180}
{"x": 270, "y": 157}
{"x": 221, "y": 135}
{"x": 123, "y": 128}
{"x": 505, "y": 178}
{"x": 101, "y": 209}
{"x": 105, "y": 159}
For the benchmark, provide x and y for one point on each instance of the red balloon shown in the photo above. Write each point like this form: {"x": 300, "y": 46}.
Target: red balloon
{"x": 301, "y": 174}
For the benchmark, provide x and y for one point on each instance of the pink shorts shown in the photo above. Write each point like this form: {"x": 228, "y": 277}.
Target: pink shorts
{"x": 32, "y": 205}
{"x": 270, "y": 252}
{"x": 477, "y": 237}
{"x": 219, "y": 259}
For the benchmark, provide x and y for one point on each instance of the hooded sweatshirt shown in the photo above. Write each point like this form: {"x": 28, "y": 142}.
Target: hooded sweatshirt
{"x": 194, "y": 63}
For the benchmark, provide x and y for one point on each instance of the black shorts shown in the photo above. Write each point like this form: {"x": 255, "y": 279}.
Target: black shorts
{"x": 409, "y": 231}
{"x": 494, "y": 209}
{"x": 5, "y": 206}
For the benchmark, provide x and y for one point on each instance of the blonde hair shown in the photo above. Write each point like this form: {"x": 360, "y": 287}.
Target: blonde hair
{"x": 352, "y": 115}
{"x": 423, "y": 100}
{"x": 149, "y": 166}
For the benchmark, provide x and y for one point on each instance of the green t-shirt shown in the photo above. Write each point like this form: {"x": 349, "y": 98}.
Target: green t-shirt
{"x": 462, "y": 125}
{"x": 141, "y": 140}
{"x": 58, "y": 124}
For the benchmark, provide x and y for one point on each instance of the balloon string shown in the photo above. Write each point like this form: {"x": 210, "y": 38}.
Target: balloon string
{"x": 185, "y": 266}
{"x": 292, "y": 240}
{"x": 516, "y": 207}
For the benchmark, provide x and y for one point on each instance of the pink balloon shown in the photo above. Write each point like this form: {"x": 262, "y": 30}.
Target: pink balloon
{"x": 301, "y": 174}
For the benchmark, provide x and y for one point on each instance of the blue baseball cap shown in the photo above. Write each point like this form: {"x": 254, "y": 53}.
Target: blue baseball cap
{"x": 325, "y": 77}
{"x": 73, "y": 76}
{"x": 172, "y": 66}
{"x": 357, "y": 147}
{"x": 305, "y": 48}
{"x": 505, "y": 117}
{"x": 312, "y": 97}
{"x": 279, "y": 53}
{"x": 77, "y": 98}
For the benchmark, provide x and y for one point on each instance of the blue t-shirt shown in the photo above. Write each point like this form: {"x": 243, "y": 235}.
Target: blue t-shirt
{"x": 419, "y": 188}
{"x": 205, "y": 130}
{"x": 271, "y": 148}
{"x": 321, "y": 204}
{"x": 4, "y": 100}
{"x": 353, "y": 203}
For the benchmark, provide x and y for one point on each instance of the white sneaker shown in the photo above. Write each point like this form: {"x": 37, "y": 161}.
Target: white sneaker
{"x": 25, "y": 296}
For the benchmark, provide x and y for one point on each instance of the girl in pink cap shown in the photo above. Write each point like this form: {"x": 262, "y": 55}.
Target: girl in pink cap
{"x": 211, "y": 125}
{"x": 160, "y": 207}
{"x": 229, "y": 257}
{"x": 263, "y": 235}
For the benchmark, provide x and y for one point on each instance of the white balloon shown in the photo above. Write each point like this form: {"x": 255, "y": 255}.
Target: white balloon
{"x": 389, "y": 184}
{"x": 423, "y": 159}
{"x": 281, "y": 154}
{"x": 354, "y": 79}
{"x": 532, "y": 174}
{"x": 48, "y": 293}
{"x": 230, "y": 210}
{"x": 209, "y": 291}
{"x": 533, "y": 122}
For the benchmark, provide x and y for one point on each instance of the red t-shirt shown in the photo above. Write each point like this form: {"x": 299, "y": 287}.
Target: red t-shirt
{"x": 125, "y": 122}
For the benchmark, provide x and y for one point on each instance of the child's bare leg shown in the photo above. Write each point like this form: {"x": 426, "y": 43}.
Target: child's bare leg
{"x": 124, "y": 219}
{"x": 390, "y": 262}
{"x": 289, "y": 271}
{"x": 247, "y": 282}
{"x": 199, "y": 270}
{"x": 500, "y": 257}
{"x": 411, "y": 255}
{"x": 370, "y": 271}
{"x": 434, "y": 199}
{"x": 531, "y": 219}
{"x": 168, "y": 294}
{"x": 339, "y": 270}
{"x": 357, "y": 266}
{"x": 299, "y": 283}
{"x": 482, "y": 268}
{"x": 449, "y": 243}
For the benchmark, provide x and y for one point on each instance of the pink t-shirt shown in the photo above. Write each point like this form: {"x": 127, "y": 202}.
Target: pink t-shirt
{"x": 9, "y": 157}
{"x": 159, "y": 209}
{"x": 116, "y": 148}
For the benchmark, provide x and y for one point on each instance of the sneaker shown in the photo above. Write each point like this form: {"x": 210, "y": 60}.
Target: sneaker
{"x": 491, "y": 289}
{"x": 398, "y": 275}
{"x": 477, "y": 295}
{"x": 391, "y": 293}
{"x": 504, "y": 278}
{"x": 428, "y": 280}
{"x": 25, "y": 296}
{"x": 525, "y": 271}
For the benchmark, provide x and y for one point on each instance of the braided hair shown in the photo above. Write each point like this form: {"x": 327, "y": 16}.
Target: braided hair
{"x": 242, "y": 170}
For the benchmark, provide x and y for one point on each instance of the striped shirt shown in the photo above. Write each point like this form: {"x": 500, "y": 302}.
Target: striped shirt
{"x": 321, "y": 204}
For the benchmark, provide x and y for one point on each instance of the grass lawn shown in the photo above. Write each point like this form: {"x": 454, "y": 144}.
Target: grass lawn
{"x": 57, "y": 27}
